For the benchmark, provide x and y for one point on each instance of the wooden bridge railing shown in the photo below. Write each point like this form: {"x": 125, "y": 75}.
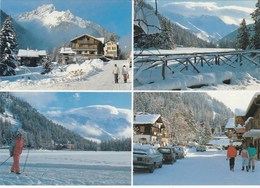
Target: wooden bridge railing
{"x": 197, "y": 59}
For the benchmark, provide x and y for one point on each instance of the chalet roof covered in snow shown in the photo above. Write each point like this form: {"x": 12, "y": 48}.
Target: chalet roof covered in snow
{"x": 31, "y": 53}
{"x": 230, "y": 124}
{"x": 253, "y": 102}
{"x": 65, "y": 50}
{"x": 146, "y": 118}
{"x": 99, "y": 39}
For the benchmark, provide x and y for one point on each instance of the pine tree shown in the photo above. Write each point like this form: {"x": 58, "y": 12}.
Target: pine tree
{"x": 243, "y": 36}
{"x": 8, "y": 44}
{"x": 256, "y": 18}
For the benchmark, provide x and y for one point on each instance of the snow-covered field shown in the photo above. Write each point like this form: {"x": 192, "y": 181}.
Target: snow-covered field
{"x": 68, "y": 168}
{"x": 200, "y": 168}
{"x": 90, "y": 75}
{"x": 245, "y": 75}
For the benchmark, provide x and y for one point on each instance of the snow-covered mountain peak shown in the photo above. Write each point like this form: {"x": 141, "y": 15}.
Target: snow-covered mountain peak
{"x": 50, "y": 17}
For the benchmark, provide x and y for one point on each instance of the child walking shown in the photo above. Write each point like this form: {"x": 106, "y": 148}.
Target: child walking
{"x": 244, "y": 155}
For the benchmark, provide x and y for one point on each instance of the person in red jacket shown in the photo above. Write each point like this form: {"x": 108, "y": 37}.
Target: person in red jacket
{"x": 16, "y": 149}
{"x": 231, "y": 154}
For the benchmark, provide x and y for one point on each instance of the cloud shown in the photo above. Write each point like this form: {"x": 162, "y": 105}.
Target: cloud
{"x": 37, "y": 99}
{"x": 126, "y": 133}
{"x": 76, "y": 96}
{"x": 229, "y": 14}
{"x": 90, "y": 130}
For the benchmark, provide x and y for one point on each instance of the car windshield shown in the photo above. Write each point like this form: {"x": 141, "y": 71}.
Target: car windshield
{"x": 140, "y": 152}
{"x": 164, "y": 150}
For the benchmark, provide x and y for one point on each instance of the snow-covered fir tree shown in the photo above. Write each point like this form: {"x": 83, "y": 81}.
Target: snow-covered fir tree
{"x": 8, "y": 44}
{"x": 256, "y": 18}
{"x": 243, "y": 36}
{"x": 47, "y": 66}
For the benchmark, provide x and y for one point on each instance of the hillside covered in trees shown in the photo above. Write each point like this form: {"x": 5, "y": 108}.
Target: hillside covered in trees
{"x": 170, "y": 35}
{"x": 189, "y": 116}
{"x": 42, "y": 133}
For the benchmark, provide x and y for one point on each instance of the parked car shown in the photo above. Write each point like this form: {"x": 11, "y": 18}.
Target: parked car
{"x": 147, "y": 157}
{"x": 179, "y": 151}
{"x": 201, "y": 148}
{"x": 169, "y": 155}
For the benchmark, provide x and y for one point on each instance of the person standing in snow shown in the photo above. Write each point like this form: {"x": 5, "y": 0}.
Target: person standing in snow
{"x": 16, "y": 149}
{"x": 231, "y": 154}
{"x": 252, "y": 155}
{"x": 125, "y": 73}
{"x": 244, "y": 155}
{"x": 116, "y": 73}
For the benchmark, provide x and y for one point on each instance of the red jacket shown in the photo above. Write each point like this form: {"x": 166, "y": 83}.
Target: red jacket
{"x": 231, "y": 151}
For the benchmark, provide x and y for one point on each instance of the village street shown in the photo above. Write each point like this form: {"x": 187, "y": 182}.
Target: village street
{"x": 200, "y": 168}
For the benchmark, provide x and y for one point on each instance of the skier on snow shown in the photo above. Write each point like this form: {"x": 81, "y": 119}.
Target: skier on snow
{"x": 16, "y": 149}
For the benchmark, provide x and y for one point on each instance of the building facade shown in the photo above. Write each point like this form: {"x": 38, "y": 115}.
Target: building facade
{"x": 88, "y": 46}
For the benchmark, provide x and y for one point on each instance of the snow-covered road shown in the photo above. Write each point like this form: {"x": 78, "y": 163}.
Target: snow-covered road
{"x": 200, "y": 168}
{"x": 103, "y": 80}
{"x": 69, "y": 168}
{"x": 97, "y": 75}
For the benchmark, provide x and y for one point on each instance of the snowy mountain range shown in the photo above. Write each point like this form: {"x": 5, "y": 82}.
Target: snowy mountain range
{"x": 95, "y": 122}
{"x": 208, "y": 28}
{"x": 57, "y": 27}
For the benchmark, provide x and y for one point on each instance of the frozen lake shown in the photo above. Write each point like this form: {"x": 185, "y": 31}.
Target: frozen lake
{"x": 69, "y": 168}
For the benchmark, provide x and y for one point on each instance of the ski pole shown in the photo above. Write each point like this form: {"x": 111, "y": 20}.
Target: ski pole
{"x": 26, "y": 159}
{"x": 5, "y": 161}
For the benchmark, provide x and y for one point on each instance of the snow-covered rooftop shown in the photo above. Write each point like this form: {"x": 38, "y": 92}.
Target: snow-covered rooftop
{"x": 146, "y": 118}
{"x": 31, "y": 53}
{"x": 230, "y": 124}
{"x": 100, "y": 39}
{"x": 65, "y": 50}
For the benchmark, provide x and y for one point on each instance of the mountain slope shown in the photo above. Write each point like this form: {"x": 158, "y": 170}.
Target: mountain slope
{"x": 58, "y": 27}
{"x": 96, "y": 122}
{"x": 40, "y": 131}
{"x": 209, "y": 28}
{"x": 171, "y": 34}
{"x": 186, "y": 114}
{"x": 26, "y": 39}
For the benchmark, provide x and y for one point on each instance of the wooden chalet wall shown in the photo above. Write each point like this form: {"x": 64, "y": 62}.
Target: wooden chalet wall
{"x": 254, "y": 111}
{"x": 87, "y": 45}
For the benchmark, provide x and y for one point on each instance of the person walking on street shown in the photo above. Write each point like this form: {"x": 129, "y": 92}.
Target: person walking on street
{"x": 116, "y": 73}
{"x": 125, "y": 73}
{"x": 231, "y": 154}
{"x": 252, "y": 155}
{"x": 244, "y": 155}
{"x": 16, "y": 149}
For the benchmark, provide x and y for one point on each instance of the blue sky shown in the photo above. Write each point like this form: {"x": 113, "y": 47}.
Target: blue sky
{"x": 45, "y": 101}
{"x": 113, "y": 15}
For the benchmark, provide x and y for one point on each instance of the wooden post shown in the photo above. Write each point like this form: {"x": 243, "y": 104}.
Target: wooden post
{"x": 163, "y": 70}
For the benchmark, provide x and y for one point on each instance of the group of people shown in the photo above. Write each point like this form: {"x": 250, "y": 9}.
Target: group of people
{"x": 248, "y": 155}
{"x": 124, "y": 72}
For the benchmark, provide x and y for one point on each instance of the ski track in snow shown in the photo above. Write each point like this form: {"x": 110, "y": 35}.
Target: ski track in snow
{"x": 69, "y": 168}
{"x": 200, "y": 168}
